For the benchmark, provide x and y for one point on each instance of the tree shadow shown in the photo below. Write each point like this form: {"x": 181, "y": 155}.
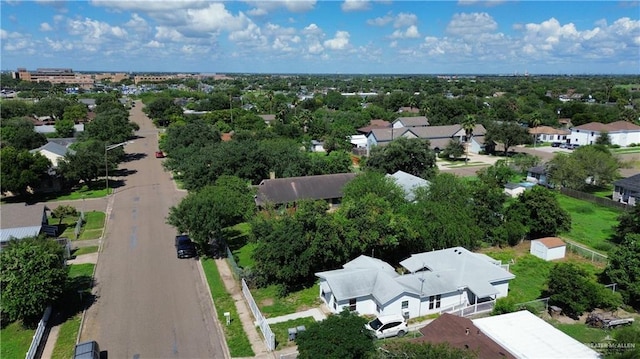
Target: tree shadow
{"x": 235, "y": 239}
{"x": 75, "y": 298}
{"x": 134, "y": 156}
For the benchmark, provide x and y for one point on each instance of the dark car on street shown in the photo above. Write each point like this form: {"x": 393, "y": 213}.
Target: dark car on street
{"x": 185, "y": 248}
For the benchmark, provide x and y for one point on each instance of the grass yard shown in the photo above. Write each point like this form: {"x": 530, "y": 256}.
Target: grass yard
{"x": 237, "y": 340}
{"x": 271, "y": 306}
{"x": 67, "y": 336}
{"x": 591, "y": 224}
{"x": 84, "y": 250}
{"x": 532, "y": 272}
{"x": 281, "y": 330}
{"x": 15, "y": 340}
{"x": 98, "y": 190}
{"x": 77, "y": 270}
{"x": 243, "y": 255}
{"x": 582, "y": 332}
{"x": 92, "y": 228}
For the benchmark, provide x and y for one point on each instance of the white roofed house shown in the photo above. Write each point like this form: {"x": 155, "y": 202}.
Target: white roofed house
{"x": 409, "y": 183}
{"x": 439, "y": 281}
{"x": 55, "y": 153}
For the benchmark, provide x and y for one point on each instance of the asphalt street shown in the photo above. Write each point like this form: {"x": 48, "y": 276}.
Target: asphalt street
{"x": 149, "y": 303}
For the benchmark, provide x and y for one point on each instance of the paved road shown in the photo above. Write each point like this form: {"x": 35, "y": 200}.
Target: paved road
{"x": 149, "y": 303}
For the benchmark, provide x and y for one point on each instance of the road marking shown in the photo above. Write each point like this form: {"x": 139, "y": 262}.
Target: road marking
{"x": 133, "y": 240}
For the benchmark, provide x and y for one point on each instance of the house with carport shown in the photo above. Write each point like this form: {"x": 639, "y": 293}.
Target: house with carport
{"x": 433, "y": 282}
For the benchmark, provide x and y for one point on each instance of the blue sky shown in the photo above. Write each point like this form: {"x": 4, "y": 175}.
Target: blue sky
{"x": 329, "y": 37}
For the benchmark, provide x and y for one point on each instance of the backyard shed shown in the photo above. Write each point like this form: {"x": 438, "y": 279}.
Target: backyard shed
{"x": 548, "y": 248}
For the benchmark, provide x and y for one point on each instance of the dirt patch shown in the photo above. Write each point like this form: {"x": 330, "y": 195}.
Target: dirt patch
{"x": 266, "y": 302}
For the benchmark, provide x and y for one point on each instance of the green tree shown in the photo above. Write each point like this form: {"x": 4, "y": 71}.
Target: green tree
{"x": 163, "y": 108}
{"x": 340, "y": 336}
{"x": 599, "y": 164}
{"x": 524, "y": 161}
{"x": 509, "y": 134}
{"x": 468, "y": 125}
{"x": 454, "y": 149}
{"x": 538, "y": 209}
{"x": 110, "y": 126}
{"x": 628, "y": 222}
{"x": 87, "y": 163}
{"x": 413, "y": 156}
{"x": 572, "y": 289}
{"x": 63, "y": 211}
{"x": 20, "y": 134}
{"x": 13, "y": 108}
{"x": 21, "y": 170}
{"x": 422, "y": 350}
{"x": 604, "y": 139}
{"x": 564, "y": 171}
{"x": 292, "y": 247}
{"x": 75, "y": 113}
{"x": 624, "y": 268}
{"x": 205, "y": 213}
{"x": 33, "y": 276}
{"x": 188, "y": 136}
{"x": 64, "y": 128}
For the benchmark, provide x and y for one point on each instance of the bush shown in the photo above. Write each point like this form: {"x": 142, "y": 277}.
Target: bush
{"x": 503, "y": 306}
{"x": 614, "y": 146}
{"x": 634, "y": 144}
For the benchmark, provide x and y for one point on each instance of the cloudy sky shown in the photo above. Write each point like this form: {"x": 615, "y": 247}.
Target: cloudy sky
{"x": 302, "y": 36}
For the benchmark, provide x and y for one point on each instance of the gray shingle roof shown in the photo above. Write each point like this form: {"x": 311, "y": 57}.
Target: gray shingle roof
{"x": 285, "y": 190}
{"x": 54, "y": 148}
{"x": 632, "y": 183}
{"x": 19, "y": 221}
{"x": 413, "y": 121}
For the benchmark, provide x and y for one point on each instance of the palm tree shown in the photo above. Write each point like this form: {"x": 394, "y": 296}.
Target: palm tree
{"x": 535, "y": 122}
{"x": 468, "y": 125}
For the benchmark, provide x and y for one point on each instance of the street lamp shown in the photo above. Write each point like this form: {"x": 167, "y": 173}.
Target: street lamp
{"x": 106, "y": 162}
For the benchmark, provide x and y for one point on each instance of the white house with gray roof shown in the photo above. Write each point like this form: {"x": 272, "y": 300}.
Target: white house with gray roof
{"x": 53, "y": 151}
{"x": 435, "y": 282}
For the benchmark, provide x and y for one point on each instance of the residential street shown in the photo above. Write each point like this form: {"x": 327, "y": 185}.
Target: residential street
{"x": 149, "y": 303}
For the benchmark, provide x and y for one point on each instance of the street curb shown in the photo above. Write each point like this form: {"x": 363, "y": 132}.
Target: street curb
{"x": 203, "y": 277}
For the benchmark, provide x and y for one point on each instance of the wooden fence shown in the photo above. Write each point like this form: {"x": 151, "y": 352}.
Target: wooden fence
{"x": 594, "y": 199}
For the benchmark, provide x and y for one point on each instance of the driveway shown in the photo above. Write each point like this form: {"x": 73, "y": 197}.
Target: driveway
{"x": 149, "y": 303}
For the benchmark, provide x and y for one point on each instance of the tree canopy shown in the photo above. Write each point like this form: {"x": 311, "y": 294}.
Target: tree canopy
{"x": 413, "y": 156}
{"x": 538, "y": 209}
{"x": 21, "y": 170}
{"x": 33, "y": 276}
{"x": 340, "y": 336}
{"x": 508, "y": 134}
{"x": 205, "y": 213}
{"x": 593, "y": 164}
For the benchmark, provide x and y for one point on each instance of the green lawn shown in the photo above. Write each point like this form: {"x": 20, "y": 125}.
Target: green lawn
{"x": 243, "y": 255}
{"x": 92, "y": 228}
{"x": 271, "y": 306}
{"x": 78, "y": 270}
{"x": 635, "y": 149}
{"x": 591, "y": 224}
{"x": 98, "y": 190}
{"x": 531, "y": 272}
{"x": 67, "y": 336}
{"x": 84, "y": 250}
{"x": 237, "y": 340}
{"x": 281, "y": 330}
{"x": 15, "y": 340}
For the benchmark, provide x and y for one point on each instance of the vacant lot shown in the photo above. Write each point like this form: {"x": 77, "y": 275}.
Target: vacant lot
{"x": 591, "y": 224}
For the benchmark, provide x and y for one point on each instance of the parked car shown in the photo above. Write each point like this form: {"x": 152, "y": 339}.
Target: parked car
{"x": 573, "y": 146}
{"x": 564, "y": 145}
{"x": 555, "y": 144}
{"x": 87, "y": 350}
{"x": 159, "y": 154}
{"x": 185, "y": 248}
{"x": 388, "y": 326}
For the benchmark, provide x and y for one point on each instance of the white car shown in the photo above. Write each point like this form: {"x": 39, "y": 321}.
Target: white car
{"x": 388, "y": 326}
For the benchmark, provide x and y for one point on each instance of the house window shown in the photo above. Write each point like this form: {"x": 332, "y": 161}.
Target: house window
{"x": 434, "y": 301}
{"x": 352, "y": 304}
{"x": 405, "y": 304}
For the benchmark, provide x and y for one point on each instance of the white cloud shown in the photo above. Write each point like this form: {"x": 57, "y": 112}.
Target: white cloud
{"x": 45, "y": 27}
{"x": 167, "y": 33}
{"x": 339, "y": 42}
{"x": 154, "y": 44}
{"x": 410, "y": 33}
{"x": 262, "y": 8}
{"x": 404, "y": 20}
{"x": 380, "y": 21}
{"x": 315, "y": 48}
{"x": 312, "y": 29}
{"x": 251, "y": 35}
{"x": 464, "y": 24}
{"x": 486, "y": 3}
{"x": 95, "y": 31}
{"x": 355, "y": 5}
